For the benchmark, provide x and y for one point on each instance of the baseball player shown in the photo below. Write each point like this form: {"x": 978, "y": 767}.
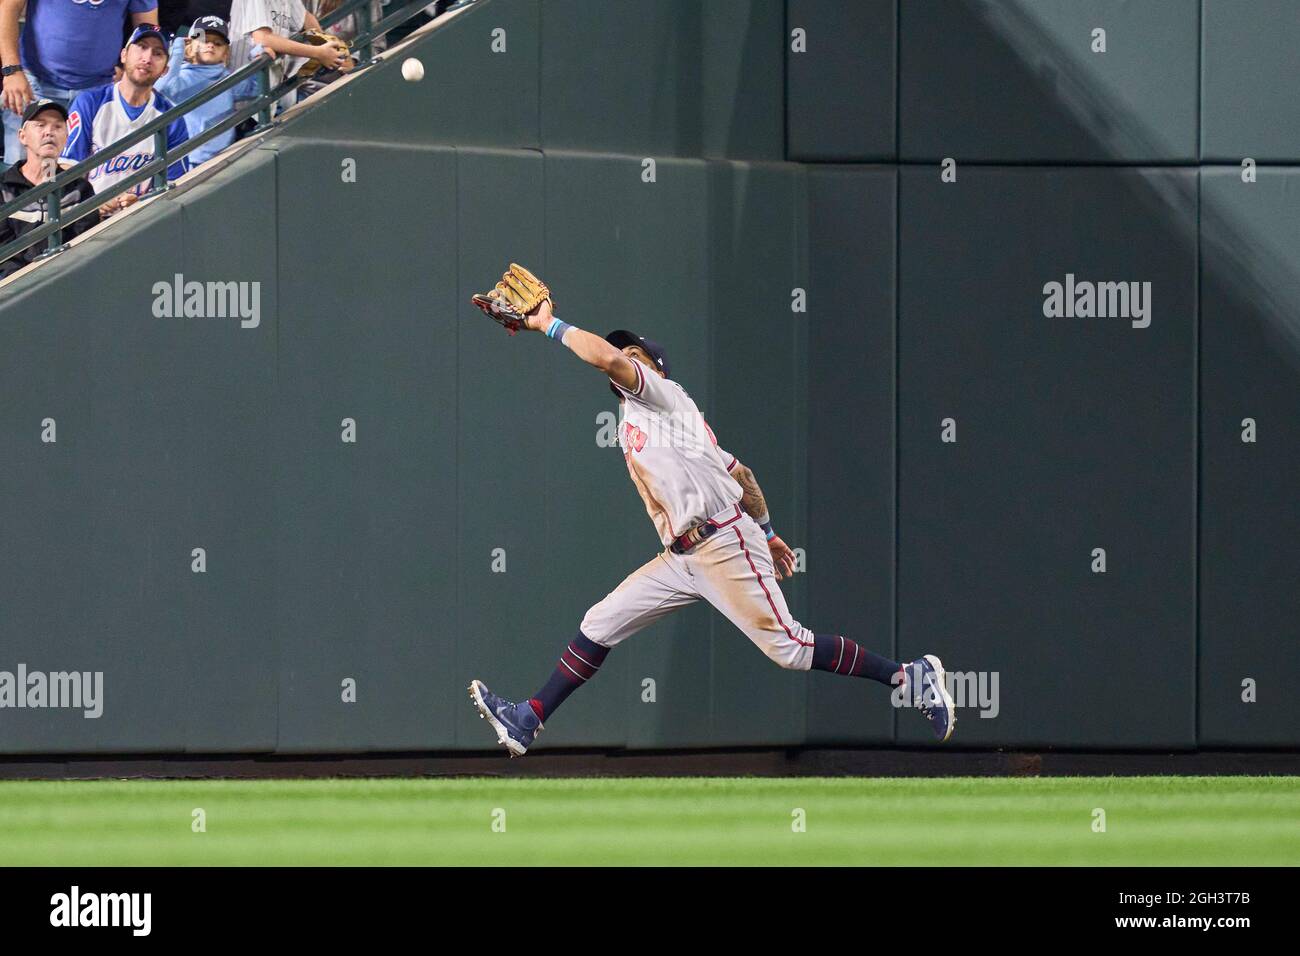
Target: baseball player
{"x": 710, "y": 514}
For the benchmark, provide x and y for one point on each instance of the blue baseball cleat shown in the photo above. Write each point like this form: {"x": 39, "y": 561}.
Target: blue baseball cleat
{"x": 516, "y": 725}
{"x": 931, "y": 698}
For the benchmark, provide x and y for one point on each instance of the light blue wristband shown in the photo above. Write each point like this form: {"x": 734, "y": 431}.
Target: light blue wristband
{"x": 767, "y": 530}
{"x": 557, "y": 329}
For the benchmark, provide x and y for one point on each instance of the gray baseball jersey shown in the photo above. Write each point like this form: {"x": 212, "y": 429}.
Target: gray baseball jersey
{"x": 674, "y": 459}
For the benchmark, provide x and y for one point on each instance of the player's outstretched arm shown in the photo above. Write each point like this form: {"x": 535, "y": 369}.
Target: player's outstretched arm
{"x": 592, "y": 349}
{"x": 755, "y": 506}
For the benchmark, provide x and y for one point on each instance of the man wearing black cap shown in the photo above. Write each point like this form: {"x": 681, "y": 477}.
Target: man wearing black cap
{"x": 43, "y": 132}
{"x": 719, "y": 546}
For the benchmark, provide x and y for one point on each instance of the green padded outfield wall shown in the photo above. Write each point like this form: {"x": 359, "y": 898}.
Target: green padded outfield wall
{"x": 852, "y": 225}
{"x": 1032, "y": 449}
{"x": 1250, "y": 436}
{"x": 384, "y": 491}
{"x": 996, "y": 80}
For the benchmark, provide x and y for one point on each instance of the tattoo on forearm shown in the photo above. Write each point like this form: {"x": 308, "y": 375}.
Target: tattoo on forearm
{"x": 752, "y": 499}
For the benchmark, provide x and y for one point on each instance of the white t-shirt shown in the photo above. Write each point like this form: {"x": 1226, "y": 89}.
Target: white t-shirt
{"x": 674, "y": 460}
{"x": 282, "y": 17}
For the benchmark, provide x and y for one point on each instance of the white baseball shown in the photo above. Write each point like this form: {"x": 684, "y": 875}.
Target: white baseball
{"x": 412, "y": 70}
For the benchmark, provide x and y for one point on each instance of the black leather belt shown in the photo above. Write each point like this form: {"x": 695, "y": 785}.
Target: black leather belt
{"x": 693, "y": 537}
{"x": 705, "y": 529}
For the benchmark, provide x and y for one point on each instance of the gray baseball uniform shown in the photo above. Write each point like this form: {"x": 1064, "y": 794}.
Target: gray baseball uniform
{"x": 684, "y": 479}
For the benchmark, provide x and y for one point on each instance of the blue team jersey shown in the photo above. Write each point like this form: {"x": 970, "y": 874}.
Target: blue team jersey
{"x": 73, "y": 44}
{"x": 99, "y": 118}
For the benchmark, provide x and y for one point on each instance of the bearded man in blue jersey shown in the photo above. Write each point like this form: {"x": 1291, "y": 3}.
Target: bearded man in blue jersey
{"x": 102, "y": 116}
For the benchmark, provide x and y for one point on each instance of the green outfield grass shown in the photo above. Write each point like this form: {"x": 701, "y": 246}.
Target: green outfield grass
{"x": 1202, "y": 821}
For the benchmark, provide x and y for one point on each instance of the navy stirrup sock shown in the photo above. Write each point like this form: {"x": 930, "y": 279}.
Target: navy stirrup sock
{"x": 578, "y": 664}
{"x": 839, "y": 655}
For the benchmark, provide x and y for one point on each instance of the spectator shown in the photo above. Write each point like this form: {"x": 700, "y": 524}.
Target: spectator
{"x": 65, "y": 47}
{"x": 102, "y": 116}
{"x": 43, "y": 133}
{"x": 198, "y": 60}
{"x": 258, "y": 25}
{"x": 346, "y": 29}
{"x": 349, "y": 27}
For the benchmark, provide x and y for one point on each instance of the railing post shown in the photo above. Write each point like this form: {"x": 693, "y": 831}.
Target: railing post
{"x": 366, "y": 20}
{"x": 264, "y": 87}
{"x": 54, "y": 214}
{"x": 160, "y": 151}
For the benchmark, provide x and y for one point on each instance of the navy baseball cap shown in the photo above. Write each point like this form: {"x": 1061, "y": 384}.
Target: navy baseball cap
{"x": 146, "y": 30}
{"x": 622, "y": 338}
{"x": 210, "y": 25}
{"x": 40, "y": 106}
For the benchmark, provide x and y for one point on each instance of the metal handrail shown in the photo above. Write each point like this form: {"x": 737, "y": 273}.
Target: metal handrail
{"x": 157, "y": 167}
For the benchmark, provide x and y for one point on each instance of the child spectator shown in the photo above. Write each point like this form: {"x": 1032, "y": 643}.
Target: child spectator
{"x": 266, "y": 25}
{"x": 198, "y": 60}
